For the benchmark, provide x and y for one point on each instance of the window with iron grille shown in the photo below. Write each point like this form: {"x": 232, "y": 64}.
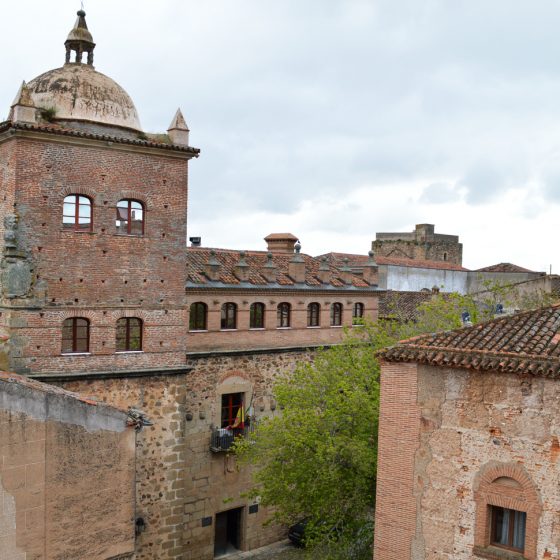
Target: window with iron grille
{"x": 508, "y": 528}
{"x": 229, "y": 316}
{"x": 77, "y": 213}
{"x": 283, "y": 315}
{"x": 75, "y": 335}
{"x": 336, "y": 314}
{"x": 129, "y": 334}
{"x": 231, "y": 405}
{"x": 256, "y": 316}
{"x": 313, "y": 314}
{"x": 198, "y": 316}
{"x": 358, "y": 313}
{"x": 130, "y": 217}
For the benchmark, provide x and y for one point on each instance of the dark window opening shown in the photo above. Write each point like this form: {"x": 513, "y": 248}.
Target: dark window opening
{"x": 283, "y": 315}
{"x": 313, "y": 314}
{"x": 227, "y": 536}
{"x": 130, "y": 218}
{"x": 358, "y": 314}
{"x": 77, "y": 213}
{"x": 75, "y": 335}
{"x": 229, "y": 316}
{"x": 129, "y": 334}
{"x": 233, "y": 412}
{"x": 198, "y": 316}
{"x": 508, "y": 528}
{"x": 256, "y": 316}
{"x": 336, "y": 314}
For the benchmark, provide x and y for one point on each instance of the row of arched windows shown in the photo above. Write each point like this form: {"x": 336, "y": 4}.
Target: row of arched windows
{"x": 77, "y": 215}
{"x": 199, "y": 315}
{"x": 76, "y": 330}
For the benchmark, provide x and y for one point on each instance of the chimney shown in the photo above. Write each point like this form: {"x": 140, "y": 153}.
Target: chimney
{"x": 212, "y": 268}
{"x": 195, "y": 241}
{"x": 324, "y": 273}
{"x": 346, "y": 272}
{"x": 269, "y": 269}
{"x": 296, "y": 266}
{"x": 241, "y": 270}
{"x": 370, "y": 272}
{"x": 281, "y": 242}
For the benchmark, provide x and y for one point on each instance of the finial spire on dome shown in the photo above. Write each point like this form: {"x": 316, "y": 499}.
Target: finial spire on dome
{"x": 80, "y": 41}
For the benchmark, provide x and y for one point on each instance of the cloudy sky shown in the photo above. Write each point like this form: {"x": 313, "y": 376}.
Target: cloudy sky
{"x": 334, "y": 119}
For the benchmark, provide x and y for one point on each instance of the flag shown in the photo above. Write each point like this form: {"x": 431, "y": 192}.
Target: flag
{"x": 239, "y": 422}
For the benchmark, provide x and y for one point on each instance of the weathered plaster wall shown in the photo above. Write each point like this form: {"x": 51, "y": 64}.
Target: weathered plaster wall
{"x": 66, "y": 476}
{"x": 466, "y": 421}
{"x": 405, "y": 278}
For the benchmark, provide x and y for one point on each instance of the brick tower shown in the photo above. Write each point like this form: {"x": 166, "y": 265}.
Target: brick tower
{"x": 92, "y": 226}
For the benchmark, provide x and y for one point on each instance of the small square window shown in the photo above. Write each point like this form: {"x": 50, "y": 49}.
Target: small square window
{"x": 508, "y": 528}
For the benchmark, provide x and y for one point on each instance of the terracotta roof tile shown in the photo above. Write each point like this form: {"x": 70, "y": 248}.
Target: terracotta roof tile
{"x": 504, "y": 267}
{"x": 360, "y": 260}
{"x": 402, "y": 305}
{"x": 197, "y": 259}
{"x": 523, "y": 343}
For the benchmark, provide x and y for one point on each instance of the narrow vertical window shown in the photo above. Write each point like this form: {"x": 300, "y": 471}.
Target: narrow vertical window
{"x": 129, "y": 334}
{"x": 75, "y": 336}
{"x": 77, "y": 213}
{"x": 256, "y": 316}
{"x": 229, "y": 316}
{"x": 313, "y": 314}
{"x": 130, "y": 218}
{"x": 336, "y": 314}
{"x": 358, "y": 314}
{"x": 198, "y": 316}
{"x": 283, "y": 313}
{"x": 233, "y": 414}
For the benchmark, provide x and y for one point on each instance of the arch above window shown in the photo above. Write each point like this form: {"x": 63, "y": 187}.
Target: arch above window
{"x": 198, "y": 316}
{"x": 336, "y": 314}
{"x": 283, "y": 315}
{"x": 229, "y": 316}
{"x": 130, "y": 217}
{"x": 75, "y": 335}
{"x": 129, "y": 334}
{"x": 256, "y": 316}
{"x": 313, "y": 314}
{"x": 77, "y": 213}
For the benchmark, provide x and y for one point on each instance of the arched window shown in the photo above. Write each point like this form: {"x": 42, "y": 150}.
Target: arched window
{"x": 198, "y": 316}
{"x": 129, "y": 334}
{"x": 256, "y": 316}
{"x": 283, "y": 313}
{"x": 336, "y": 314}
{"x": 77, "y": 213}
{"x": 313, "y": 314}
{"x": 358, "y": 313}
{"x": 130, "y": 217}
{"x": 444, "y": 256}
{"x": 229, "y": 316}
{"x": 75, "y": 335}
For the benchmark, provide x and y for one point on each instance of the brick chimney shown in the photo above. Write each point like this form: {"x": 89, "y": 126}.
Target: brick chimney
{"x": 324, "y": 273}
{"x": 212, "y": 267}
{"x": 269, "y": 269}
{"x": 345, "y": 272}
{"x": 281, "y": 242}
{"x": 296, "y": 266}
{"x": 241, "y": 270}
{"x": 371, "y": 270}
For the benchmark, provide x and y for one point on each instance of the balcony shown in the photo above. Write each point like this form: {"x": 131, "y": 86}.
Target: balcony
{"x": 222, "y": 438}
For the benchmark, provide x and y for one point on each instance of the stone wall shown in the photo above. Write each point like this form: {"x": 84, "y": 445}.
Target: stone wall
{"x": 179, "y": 481}
{"x": 66, "y": 475}
{"x": 470, "y": 430}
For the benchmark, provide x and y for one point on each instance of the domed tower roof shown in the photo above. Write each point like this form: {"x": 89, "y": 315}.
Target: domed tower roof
{"x": 77, "y": 92}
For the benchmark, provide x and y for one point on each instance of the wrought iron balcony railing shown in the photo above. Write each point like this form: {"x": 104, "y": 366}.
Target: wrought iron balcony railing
{"x": 222, "y": 438}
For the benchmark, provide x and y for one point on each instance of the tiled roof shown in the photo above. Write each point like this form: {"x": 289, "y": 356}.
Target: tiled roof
{"x": 60, "y": 130}
{"x": 402, "y": 305}
{"x": 527, "y": 342}
{"x": 504, "y": 267}
{"x": 360, "y": 260}
{"x": 197, "y": 258}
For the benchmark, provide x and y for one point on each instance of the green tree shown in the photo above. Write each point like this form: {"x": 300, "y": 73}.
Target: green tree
{"x": 316, "y": 459}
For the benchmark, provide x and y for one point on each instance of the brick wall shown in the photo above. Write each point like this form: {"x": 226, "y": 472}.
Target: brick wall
{"x": 297, "y": 335}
